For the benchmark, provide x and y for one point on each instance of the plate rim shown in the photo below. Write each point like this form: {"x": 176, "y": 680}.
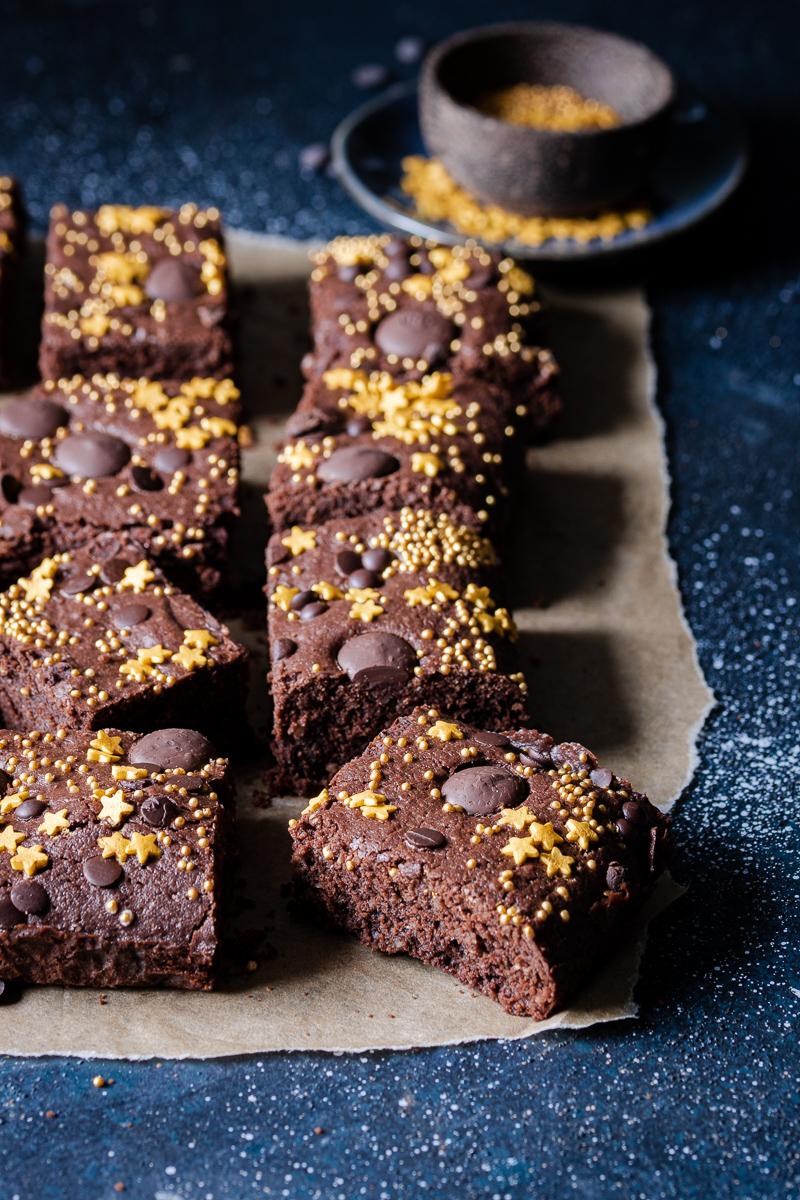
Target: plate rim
{"x": 565, "y": 251}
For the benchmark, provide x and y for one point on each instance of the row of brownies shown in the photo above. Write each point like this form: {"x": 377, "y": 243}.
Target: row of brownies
{"x": 118, "y": 494}
{"x": 449, "y": 830}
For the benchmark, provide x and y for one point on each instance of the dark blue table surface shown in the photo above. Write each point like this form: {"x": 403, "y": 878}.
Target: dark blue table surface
{"x": 699, "y": 1098}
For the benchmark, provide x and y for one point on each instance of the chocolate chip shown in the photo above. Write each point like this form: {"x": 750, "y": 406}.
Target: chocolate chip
{"x": 76, "y": 585}
{"x": 425, "y": 839}
{"x": 145, "y": 480}
{"x": 302, "y": 599}
{"x": 283, "y": 648}
{"x": 632, "y": 812}
{"x": 355, "y": 463}
{"x": 482, "y": 790}
{"x": 30, "y": 808}
{"x": 626, "y": 829}
{"x": 309, "y": 611}
{"x": 534, "y": 749}
{"x": 616, "y": 876}
{"x": 370, "y": 75}
{"x": 126, "y": 616}
{"x": 173, "y": 748}
{"x": 363, "y": 579}
{"x": 377, "y": 560}
{"x": 102, "y": 872}
{"x": 35, "y": 495}
{"x": 482, "y": 737}
{"x": 29, "y": 896}
{"x": 10, "y": 488}
{"x": 418, "y": 333}
{"x": 601, "y": 777}
{"x": 314, "y": 158}
{"x": 356, "y": 426}
{"x": 172, "y": 459}
{"x": 347, "y": 561}
{"x": 9, "y": 913}
{"x": 381, "y": 677}
{"x": 368, "y": 650}
{"x": 174, "y": 280}
{"x": 92, "y": 455}
{"x": 33, "y": 418}
{"x": 159, "y": 811}
{"x": 409, "y": 49}
{"x": 312, "y": 420}
{"x": 5, "y": 781}
{"x": 113, "y": 570}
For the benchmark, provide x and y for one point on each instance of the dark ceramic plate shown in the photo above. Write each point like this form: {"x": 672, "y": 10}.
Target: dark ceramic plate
{"x": 703, "y": 160}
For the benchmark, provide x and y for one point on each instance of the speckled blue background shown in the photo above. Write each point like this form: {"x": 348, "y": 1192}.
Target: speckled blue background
{"x": 699, "y": 1098}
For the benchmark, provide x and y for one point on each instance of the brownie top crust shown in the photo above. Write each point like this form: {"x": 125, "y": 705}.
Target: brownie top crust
{"x": 101, "y": 624}
{"x": 112, "y": 836}
{"x": 383, "y": 598}
{"x": 105, "y": 452}
{"x": 134, "y": 272}
{"x": 535, "y": 838}
{"x": 379, "y": 302}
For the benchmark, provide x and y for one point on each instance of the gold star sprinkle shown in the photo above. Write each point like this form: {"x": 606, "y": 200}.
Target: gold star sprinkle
{"x": 317, "y": 802}
{"x": 54, "y": 823}
{"x": 283, "y": 596}
{"x": 104, "y": 748}
{"x": 116, "y": 846}
{"x": 199, "y": 639}
{"x": 327, "y": 591}
{"x": 558, "y": 863}
{"x": 445, "y": 731}
{"x": 114, "y": 808}
{"x": 137, "y": 578}
{"x": 582, "y": 833}
{"x": 10, "y": 838}
{"x": 516, "y": 818}
{"x": 128, "y": 773}
{"x": 545, "y": 835}
{"x": 39, "y": 583}
{"x": 189, "y": 659}
{"x": 298, "y": 540}
{"x": 365, "y": 610}
{"x": 12, "y": 801}
{"x": 29, "y": 860}
{"x": 520, "y": 849}
{"x": 143, "y": 845}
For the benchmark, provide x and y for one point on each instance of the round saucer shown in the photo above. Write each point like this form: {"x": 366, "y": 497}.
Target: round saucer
{"x": 702, "y": 161}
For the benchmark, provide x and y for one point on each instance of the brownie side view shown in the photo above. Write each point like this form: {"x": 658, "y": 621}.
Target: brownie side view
{"x": 159, "y": 460}
{"x": 139, "y": 291}
{"x": 509, "y": 861}
{"x": 112, "y": 851}
{"x": 10, "y": 250}
{"x": 358, "y": 440}
{"x": 96, "y": 637}
{"x": 408, "y": 307}
{"x": 372, "y": 616}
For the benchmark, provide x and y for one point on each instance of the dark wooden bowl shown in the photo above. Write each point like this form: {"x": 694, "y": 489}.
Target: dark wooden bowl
{"x": 536, "y": 171}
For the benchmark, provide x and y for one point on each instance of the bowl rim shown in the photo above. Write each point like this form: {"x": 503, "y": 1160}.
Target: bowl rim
{"x": 429, "y": 76}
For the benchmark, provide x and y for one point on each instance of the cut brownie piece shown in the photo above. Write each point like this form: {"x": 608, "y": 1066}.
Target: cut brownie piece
{"x": 510, "y": 862}
{"x": 10, "y": 249}
{"x": 96, "y": 637}
{"x": 380, "y": 303}
{"x": 363, "y": 440}
{"x": 156, "y": 459}
{"x": 139, "y": 291}
{"x": 110, "y": 853}
{"x": 371, "y": 616}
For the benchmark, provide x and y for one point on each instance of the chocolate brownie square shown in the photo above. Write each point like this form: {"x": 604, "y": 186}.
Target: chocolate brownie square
{"x": 112, "y": 848}
{"x": 409, "y": 307}
{"x": 509, "y": 861}
{"x": 137, "y": 291}
{"x": 10, "y": 250}
{"x": 370, "y": 616}
{"x": 158, "y": 460}
{"x": 360, "y": 440}
{"x": 96, "y": 637}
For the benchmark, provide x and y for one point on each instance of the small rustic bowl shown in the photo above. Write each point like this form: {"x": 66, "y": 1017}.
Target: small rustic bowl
{"x": 538, "y": 171}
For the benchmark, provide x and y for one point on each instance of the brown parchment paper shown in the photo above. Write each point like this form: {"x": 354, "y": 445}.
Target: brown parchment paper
{"x": 611, "y": 663}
